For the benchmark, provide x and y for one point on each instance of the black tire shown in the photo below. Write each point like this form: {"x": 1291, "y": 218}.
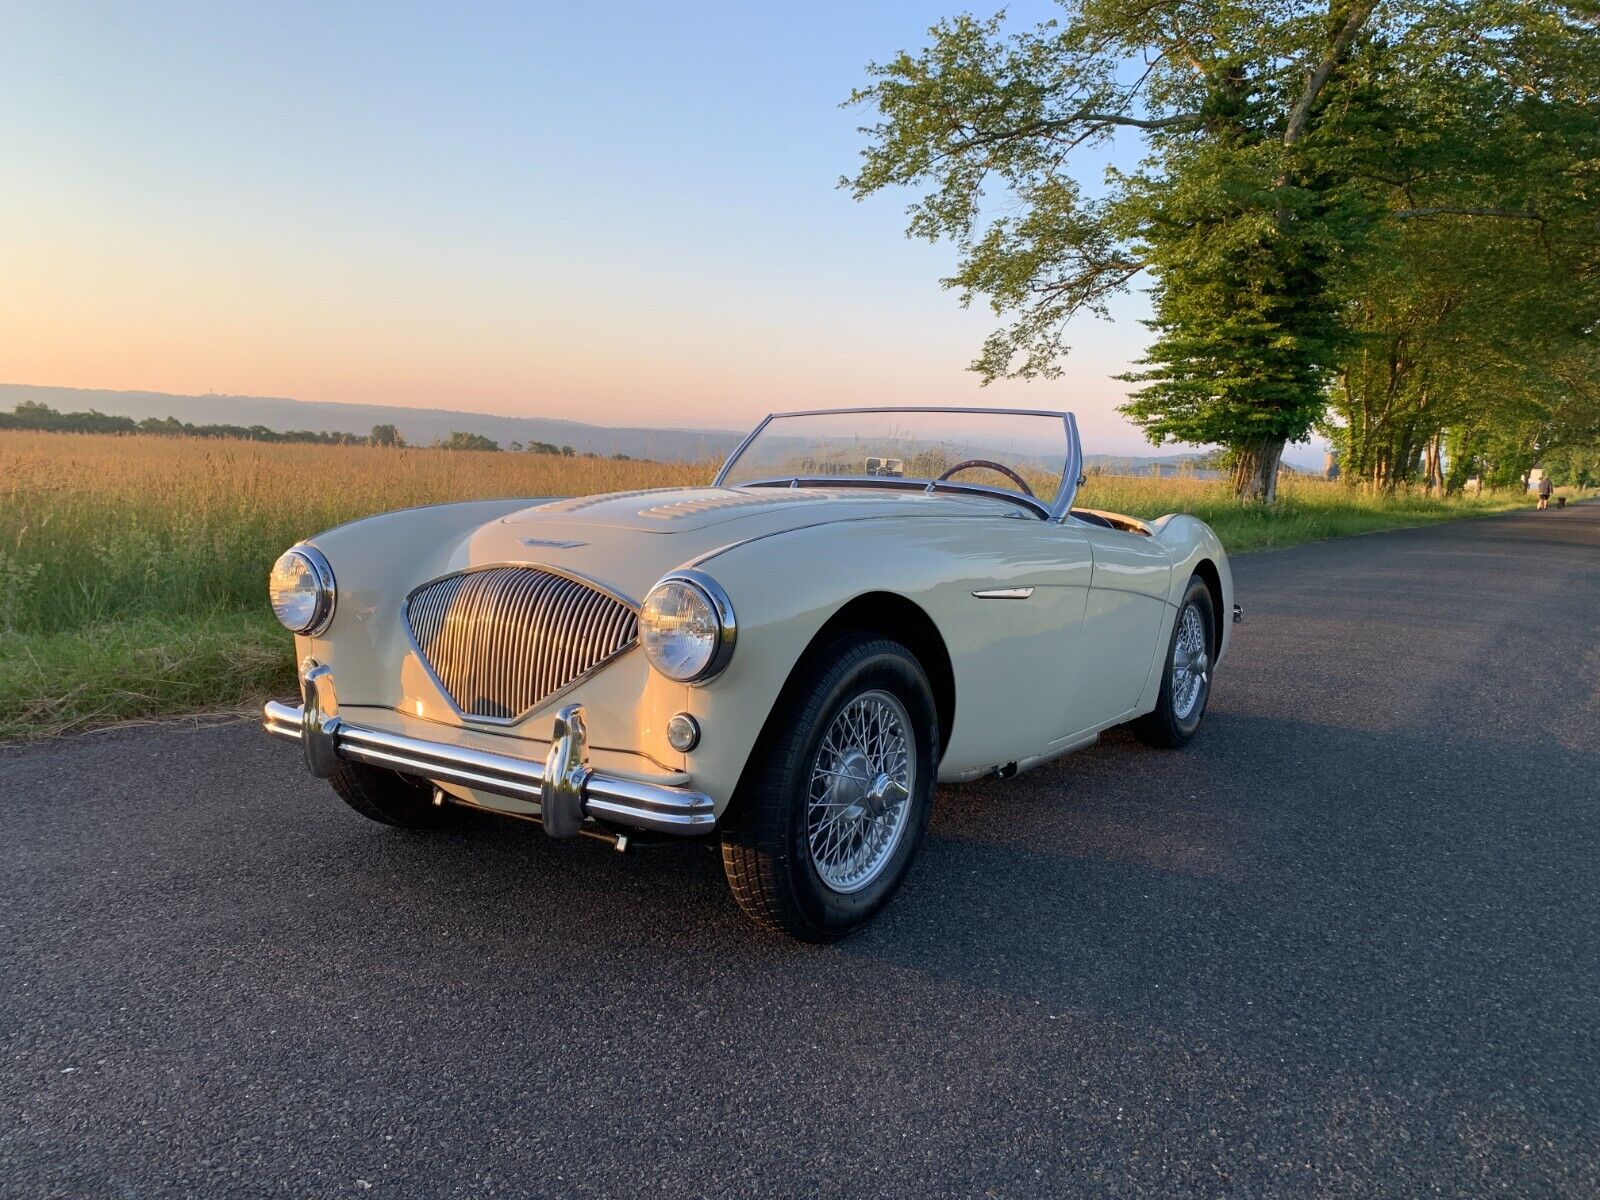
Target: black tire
{"x": 391, "y": 798}
{"x": 1164, "y": 727}
{"x": 766, "y": 848}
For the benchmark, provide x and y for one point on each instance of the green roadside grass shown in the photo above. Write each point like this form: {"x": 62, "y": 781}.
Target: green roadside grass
{"x": 1306, "y": 511}
{"x": 139, "y": 668}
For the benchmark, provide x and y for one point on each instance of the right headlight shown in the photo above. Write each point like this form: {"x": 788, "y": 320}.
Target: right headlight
{"x": 302, "y": 590}
{"x": 687, "y": 628}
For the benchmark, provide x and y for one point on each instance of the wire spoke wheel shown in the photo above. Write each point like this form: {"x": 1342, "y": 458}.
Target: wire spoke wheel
{"x": 862, "y": 778}
{"x": 1191, "y": 666}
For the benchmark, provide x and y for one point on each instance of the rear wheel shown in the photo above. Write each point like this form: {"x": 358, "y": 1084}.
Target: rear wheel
{"x": 833, "y": 808}
{"x": 391, "y": 798}
{"x": 1186, "y": 678}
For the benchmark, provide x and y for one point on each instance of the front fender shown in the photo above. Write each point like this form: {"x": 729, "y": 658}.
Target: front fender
{"x": 785, "y": 588}
{"x": 1190, "y": 541}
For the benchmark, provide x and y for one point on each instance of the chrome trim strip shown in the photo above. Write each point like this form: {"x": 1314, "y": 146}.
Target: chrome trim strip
{"x": 1014, "y": 593}
{"x": 625, "y": 801}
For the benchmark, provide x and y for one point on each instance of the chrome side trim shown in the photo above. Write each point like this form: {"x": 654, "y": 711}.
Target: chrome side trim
{"x": 1015, "y": 593}
{"x": 624, "y": 801}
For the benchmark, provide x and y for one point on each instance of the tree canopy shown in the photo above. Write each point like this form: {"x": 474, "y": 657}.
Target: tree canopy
{"x": 1313, "y": 180}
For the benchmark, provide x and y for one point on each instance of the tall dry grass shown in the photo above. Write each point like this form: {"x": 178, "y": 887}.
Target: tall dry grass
{"x": 94, "y": 528}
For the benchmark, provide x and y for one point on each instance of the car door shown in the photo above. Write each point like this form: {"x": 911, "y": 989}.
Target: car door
{"x": 1012, "y": 615}
{"x": 1126, "y": 614}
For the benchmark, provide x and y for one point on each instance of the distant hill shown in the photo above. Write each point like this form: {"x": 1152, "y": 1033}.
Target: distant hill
{"x": 419, "y": 426}
{"x": 423, "y": 426}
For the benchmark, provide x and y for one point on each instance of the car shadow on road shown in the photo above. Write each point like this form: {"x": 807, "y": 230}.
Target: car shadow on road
{"x": 1354, "y": 906}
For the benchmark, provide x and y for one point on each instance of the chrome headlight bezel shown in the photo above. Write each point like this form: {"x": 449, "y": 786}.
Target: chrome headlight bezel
{"x": 323, "y": 592}
{"x": 710, "y": 661}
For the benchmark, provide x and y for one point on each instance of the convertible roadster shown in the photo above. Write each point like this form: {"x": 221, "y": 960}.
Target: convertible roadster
{"x": 863, "y": 602}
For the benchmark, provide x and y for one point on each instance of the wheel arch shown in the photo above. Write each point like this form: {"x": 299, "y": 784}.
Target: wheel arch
{"x": 893, "y": 616}
{"x": 880, "y": 614}
{"x": 1212, "y": 578}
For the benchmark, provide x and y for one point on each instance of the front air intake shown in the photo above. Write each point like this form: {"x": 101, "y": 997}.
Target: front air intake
{"x": 503, "y": 640}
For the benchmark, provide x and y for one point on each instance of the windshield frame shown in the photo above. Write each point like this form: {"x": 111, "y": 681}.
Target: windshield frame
{"x": 1056, "y": 510}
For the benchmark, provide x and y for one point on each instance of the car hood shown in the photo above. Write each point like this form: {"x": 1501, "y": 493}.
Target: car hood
{"x": 628, "y": 540}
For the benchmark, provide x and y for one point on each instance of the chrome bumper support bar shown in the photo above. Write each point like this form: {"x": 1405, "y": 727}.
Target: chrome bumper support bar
{"x": 576, "y": 791}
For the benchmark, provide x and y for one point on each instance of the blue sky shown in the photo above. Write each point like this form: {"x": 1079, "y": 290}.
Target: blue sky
{"x": 618, "y": 213}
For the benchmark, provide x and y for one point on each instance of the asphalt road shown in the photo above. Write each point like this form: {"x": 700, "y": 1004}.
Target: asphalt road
{"x": 1348, "y": 943}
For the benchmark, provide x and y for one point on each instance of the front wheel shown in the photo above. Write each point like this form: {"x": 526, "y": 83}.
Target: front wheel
{"x": 391, "y": 798}
{"x": 833, "y": 808}
{"x": 1186, "y": 679}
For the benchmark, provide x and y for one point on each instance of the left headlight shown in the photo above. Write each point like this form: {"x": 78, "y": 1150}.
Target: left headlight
{"x": 686, "y": 625}
{"x": 302, "y": 590}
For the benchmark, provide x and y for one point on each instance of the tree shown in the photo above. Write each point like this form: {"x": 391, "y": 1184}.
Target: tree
{"x": 1280, "y": 141}
{"x": 460, "y": 440}
{"x": 386, "y": 435}
{"x": 1474, "y": 346}
{"x": 1470, "y": 307}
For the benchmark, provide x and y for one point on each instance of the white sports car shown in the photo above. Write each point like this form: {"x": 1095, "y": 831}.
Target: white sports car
{"x": 863, "y": 602}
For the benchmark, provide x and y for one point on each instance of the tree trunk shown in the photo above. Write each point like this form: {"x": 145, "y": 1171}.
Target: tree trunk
{"x": 1255, "y": 470}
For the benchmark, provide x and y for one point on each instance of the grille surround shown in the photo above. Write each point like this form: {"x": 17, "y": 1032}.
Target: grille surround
{"x": 502, "y": 640}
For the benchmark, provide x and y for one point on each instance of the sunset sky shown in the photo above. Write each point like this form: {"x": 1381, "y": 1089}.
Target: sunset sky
{"x": 611, "y": 212}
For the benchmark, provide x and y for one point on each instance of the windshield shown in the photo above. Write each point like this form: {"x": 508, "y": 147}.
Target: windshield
{"x": 1022, "y": 454}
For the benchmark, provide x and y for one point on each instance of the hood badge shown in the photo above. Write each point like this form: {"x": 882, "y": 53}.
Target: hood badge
{"x": 552, "y": 542}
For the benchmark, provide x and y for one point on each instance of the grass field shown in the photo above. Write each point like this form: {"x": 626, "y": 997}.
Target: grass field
{"x": 133, "y": 569}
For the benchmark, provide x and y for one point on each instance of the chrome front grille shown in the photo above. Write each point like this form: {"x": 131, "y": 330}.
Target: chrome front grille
{"x": 503, "y": 640}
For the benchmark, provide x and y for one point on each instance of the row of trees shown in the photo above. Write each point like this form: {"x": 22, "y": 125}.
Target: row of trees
{"x": 30, "y": 414}
{"x": 1376, "y": 219}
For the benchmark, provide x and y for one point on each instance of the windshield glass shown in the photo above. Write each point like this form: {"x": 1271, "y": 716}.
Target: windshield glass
{"x": 1023, "y": 453}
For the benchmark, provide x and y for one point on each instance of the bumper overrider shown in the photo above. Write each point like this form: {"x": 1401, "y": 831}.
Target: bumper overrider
{"x": 565, "y": 787}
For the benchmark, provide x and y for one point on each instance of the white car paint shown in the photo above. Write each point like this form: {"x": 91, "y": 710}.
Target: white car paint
{"x": 1033, "y": 676}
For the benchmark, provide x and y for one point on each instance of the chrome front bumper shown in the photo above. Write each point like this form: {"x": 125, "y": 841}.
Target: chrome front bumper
{"x": 564, "y": 786}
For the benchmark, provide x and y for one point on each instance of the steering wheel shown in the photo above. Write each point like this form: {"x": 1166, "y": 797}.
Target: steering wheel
{"x": 990, "y": 465}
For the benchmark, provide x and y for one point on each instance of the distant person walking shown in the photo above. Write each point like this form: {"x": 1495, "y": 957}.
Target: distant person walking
{"x": 1544, "y": 491}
